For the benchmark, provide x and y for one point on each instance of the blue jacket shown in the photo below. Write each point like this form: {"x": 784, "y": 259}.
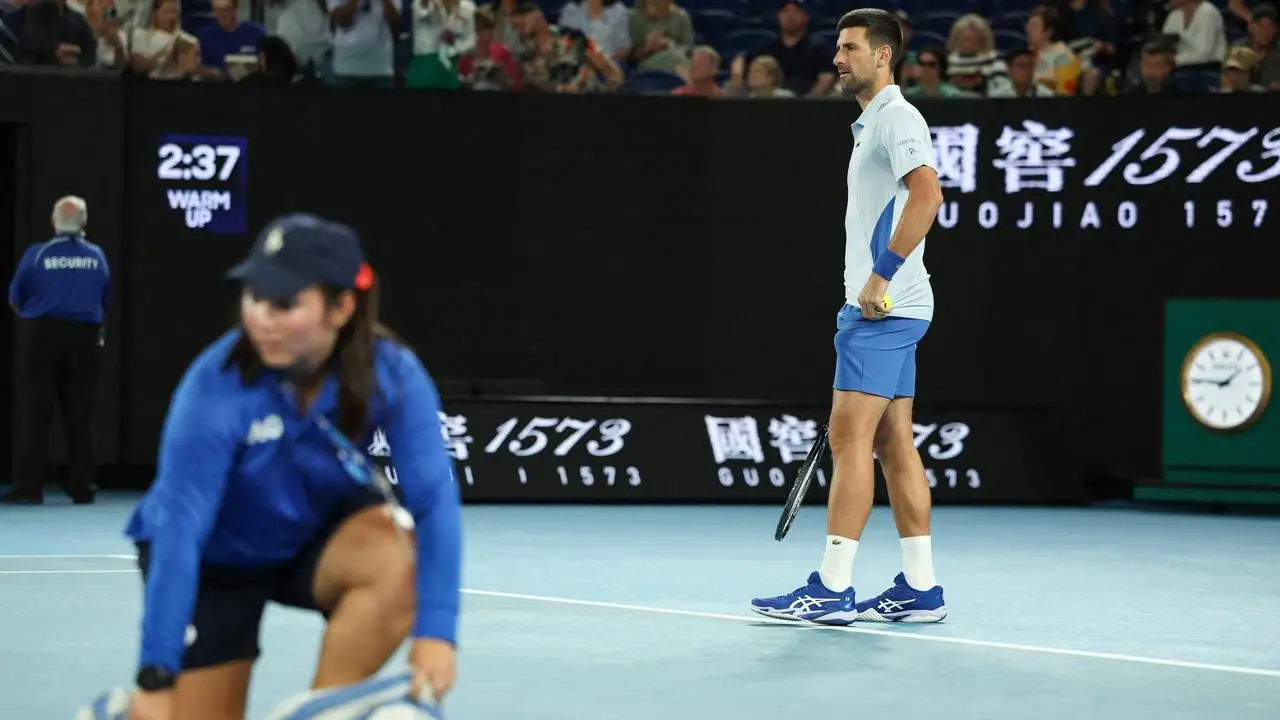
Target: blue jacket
{"x": 67, "y": 277}
{"x": 245, "y": 481}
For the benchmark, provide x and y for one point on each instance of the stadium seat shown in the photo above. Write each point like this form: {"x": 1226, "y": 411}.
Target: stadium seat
{"x": 741, "y": 41}
{"x": 714, "y": 24}
{"x": 921, "y": 39}
{"x": 1015, "y": 21}
{"x": 738, "y": 8}
{"x": 652, "y": 82}
{"x": 1007, "y": 40}
{"x": 826, "y": 38}
{"x": 837, "y": 8}
{"x": 939, "y": 21}
{"x": 1000, "y": 7}
{"x": 1197, "y": 81}
{"x": 917, "y": 8}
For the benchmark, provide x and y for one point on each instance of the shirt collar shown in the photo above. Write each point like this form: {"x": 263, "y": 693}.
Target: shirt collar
{"x": 882, "y": 98}
{"x": 326, "y": 401}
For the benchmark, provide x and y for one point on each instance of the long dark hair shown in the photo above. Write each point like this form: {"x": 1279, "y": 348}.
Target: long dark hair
{"x": 352, "y": 358}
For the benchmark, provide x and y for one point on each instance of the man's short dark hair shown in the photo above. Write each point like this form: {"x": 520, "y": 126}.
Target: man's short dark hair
{"x": 1265, "y": 11}
{"x": 939, "y": 54}
{"x": 882, "y": 29}
{"x": 1020, "y": 53}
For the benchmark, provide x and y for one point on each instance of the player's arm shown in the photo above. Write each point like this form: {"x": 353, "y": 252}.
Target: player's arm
{"x": 911, "y": 157}
{"x": 197, "y": 450}
{"x": 924, "y": 197}
{"x": 424, "y": 471}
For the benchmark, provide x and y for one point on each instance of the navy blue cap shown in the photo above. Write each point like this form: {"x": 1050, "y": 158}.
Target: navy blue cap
{"x": 294, "y": 252}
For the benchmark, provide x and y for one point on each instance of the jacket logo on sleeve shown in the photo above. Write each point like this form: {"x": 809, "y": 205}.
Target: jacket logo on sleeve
{"x": 265, "y": 430}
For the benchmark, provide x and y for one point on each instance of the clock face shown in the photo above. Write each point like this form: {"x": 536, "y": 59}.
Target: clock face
{"x": 1226, "y": 382}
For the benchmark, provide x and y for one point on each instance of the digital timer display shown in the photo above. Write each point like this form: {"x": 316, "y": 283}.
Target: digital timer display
{"x": 206, "y": 180}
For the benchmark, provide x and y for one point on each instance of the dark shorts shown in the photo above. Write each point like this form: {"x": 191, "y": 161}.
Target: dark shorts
{"x": 230, "y": 601}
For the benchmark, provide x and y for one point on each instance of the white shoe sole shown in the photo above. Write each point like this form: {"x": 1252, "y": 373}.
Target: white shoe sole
{"x": 833, "y": 618}
{"x": 906, "y": 616}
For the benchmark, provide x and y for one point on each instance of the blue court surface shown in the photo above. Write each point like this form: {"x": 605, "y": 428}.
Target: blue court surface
{"x": 623, "y": 613}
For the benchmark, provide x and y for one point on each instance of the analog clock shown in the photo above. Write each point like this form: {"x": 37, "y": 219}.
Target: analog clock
{"x": 1226, "y": 382}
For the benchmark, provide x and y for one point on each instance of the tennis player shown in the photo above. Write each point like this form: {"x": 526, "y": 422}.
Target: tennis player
{"x": 262, "y": 494}
{"x": 894, "y": 197}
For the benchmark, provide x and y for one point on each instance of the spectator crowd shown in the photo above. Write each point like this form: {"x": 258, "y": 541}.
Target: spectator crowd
{"x": 709, "y": 48}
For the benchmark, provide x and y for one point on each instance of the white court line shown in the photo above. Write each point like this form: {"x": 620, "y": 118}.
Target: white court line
{"x": 1044, "y": 650}
{"x": 65, "y": 572}
{"x": 889, "y": 633}
{"x": 68, "y": 557}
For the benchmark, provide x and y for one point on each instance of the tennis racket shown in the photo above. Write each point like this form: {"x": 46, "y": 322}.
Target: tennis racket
{"x": 801, "y": 485}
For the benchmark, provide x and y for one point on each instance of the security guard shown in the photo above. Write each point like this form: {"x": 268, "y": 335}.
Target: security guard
{"x": 59, "y": 291}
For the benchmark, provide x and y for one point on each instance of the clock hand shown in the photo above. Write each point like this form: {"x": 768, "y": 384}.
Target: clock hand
{"x": 1233, "y": 375}
{"x": 1207, "y": 381}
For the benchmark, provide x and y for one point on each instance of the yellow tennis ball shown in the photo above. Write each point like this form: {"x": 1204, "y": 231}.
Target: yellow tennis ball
{"x": 888, "y": 306}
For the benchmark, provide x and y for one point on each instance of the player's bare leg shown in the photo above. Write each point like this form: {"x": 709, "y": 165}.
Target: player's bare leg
{"x": 915, "y": 595}
{"x": 854, "y": 419}
{"x": 903, "y": 470}
{"x": 365, "y": 580}
{"x": 220, "y": 692}
{"x": 827, "y": 597}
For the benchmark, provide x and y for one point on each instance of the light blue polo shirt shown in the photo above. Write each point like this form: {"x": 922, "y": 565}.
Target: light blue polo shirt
{"x": 890, "y": 139}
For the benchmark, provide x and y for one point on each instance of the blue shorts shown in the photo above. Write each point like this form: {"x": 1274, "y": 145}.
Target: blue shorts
{"x": 877, "y": 357}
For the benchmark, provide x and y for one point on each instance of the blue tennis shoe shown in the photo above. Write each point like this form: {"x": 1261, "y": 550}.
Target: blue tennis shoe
{"x": 813, "y": 602}
{"x": 903, "y": 603}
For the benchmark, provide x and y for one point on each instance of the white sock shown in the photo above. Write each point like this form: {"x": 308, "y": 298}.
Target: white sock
{"x": 917, "y": 562}
{"x": 836, "y": 570}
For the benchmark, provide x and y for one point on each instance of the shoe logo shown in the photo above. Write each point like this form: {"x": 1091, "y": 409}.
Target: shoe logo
{"x": 888, "y": 605}
{"x": 806, "y": 603}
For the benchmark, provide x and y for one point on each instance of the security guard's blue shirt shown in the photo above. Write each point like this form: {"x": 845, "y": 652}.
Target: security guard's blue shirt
{"x": 244, "y": 480}
{"x": 65, "y": 278}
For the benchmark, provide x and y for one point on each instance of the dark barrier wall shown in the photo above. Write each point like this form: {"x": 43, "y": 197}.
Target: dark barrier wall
{"x": 671, "y": 246}
{"x": 519, "y": 237}
{"x": 69, "y": 141}
{"x": 612, "y": 245}
{"x": 548, "y": 449}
